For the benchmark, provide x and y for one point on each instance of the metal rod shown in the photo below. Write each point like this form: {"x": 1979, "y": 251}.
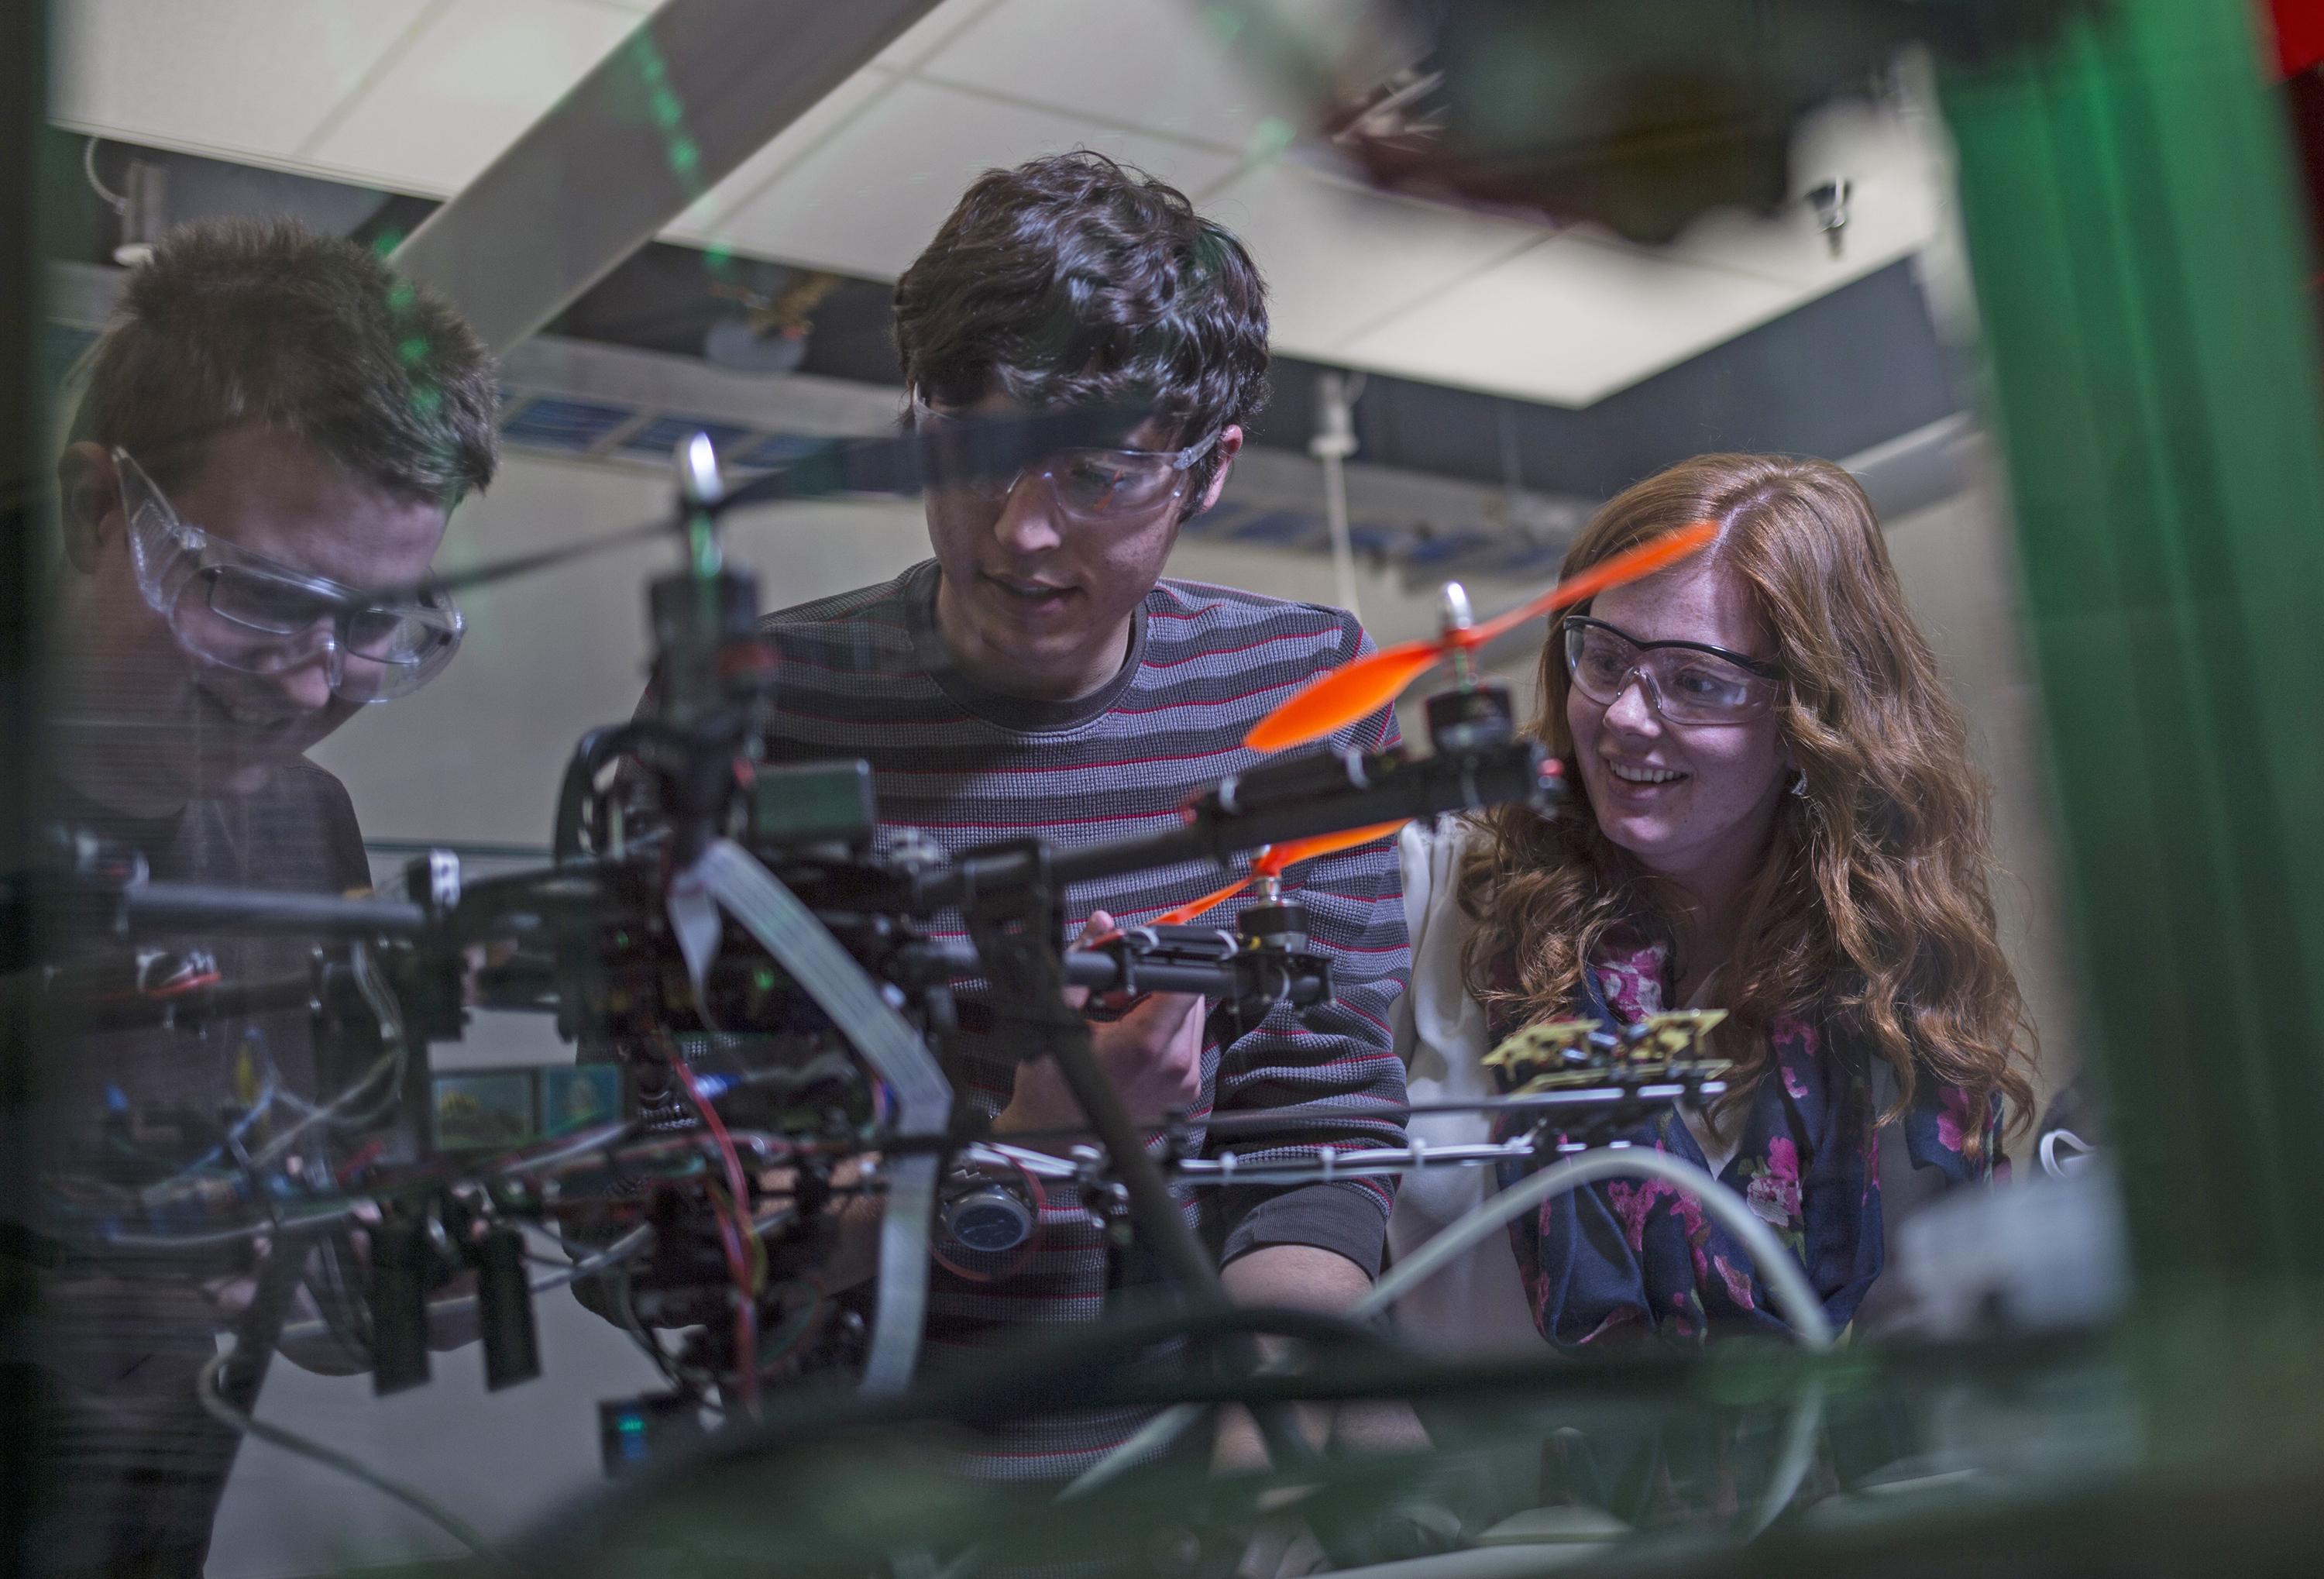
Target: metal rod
{"x": 1271, "y": 805}
{"x": 512, "y": 248}
{"x": 187, "y": 906}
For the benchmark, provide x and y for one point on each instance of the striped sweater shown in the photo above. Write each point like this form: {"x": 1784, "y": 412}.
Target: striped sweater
{"x": 865, "y": 674}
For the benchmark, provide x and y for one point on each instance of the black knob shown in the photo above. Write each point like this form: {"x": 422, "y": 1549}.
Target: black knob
{"x": 1274, "y": 924}
{"x": 1473, "y": 716}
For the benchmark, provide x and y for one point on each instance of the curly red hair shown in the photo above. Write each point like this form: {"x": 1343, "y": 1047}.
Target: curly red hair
{"x": 1873, "y": 909}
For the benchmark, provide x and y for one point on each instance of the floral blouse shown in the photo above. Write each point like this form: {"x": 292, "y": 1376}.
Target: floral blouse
{"x": 1636, "y": 1257}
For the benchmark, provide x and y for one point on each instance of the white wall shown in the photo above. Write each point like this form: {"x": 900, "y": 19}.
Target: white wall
{"x": 478, "y": 753}
{"x": 1955, "y": 561}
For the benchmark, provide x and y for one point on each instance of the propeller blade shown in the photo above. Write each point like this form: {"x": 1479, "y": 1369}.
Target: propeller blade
{"x": 1281, "y": 858}
{"x": 526, "y": 564}
{"x": 1336, "y": 700}
{"x": 1275, "y": 861}
{"x": 1193, "y": 908}
{"x": 1629, "y": 565}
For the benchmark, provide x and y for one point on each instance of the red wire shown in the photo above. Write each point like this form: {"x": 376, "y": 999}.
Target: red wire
{"x": 369, "y": 1153}
{"x": 729, "y": 1232}
{"x": 170, "y": 989}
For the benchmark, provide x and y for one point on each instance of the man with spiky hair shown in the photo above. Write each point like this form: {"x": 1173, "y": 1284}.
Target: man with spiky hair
{"x": 1040, "y": 677}
{"x": 274, "y": 422}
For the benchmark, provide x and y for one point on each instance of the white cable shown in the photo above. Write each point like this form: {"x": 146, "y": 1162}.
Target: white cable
{"x": 206, "y": 1389}
{"x": 1334, "y": 441}
{"x": 1335, "y": 521}
{"x": 111, "y": 199}
{"x": 2057, "y": 1167}
{"x": 385, "y": 1008}
{"x": 1785, "y": 1277}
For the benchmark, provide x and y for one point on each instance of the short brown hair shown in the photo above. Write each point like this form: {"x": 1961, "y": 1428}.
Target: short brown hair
{"x": 1075, "y": 279}
{"x": 237, "y": 321}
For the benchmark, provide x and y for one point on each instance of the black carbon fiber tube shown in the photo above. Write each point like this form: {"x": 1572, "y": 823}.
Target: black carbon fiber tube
{"x": 1306, "y": 796}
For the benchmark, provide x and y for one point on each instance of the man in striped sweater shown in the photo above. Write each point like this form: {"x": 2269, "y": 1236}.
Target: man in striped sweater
{"x": 1040, "y": 678}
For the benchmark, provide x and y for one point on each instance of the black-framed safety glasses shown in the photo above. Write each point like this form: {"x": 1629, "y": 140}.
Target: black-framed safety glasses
{"x": 1685, "y": 682}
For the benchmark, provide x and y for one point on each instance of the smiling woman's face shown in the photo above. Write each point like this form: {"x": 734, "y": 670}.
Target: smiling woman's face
{"x": 1687, "y": 800}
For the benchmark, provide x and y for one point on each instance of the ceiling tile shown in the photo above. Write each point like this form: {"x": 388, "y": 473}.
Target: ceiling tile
{"x": 703, "y": 222}
{"x": 1340, "y": 258}
{"x": 868, "y": 200}
{"x": 1895, "y": 170}
{"x": 1154, "y": 64}
{"x": 250, "y": 76}
{"x": 471, "y": 85}
{"x": 929, "y": 34}
{"x": 1571, "y": 321}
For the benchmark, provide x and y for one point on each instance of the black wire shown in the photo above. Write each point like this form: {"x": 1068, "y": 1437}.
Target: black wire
{"x": 1047, "y": 1375}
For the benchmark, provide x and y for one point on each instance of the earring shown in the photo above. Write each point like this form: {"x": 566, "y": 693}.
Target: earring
{"x": 1800, "y": 784}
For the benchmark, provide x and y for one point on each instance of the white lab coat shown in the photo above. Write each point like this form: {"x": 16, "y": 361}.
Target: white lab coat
{"x": 1476, "y": 1305}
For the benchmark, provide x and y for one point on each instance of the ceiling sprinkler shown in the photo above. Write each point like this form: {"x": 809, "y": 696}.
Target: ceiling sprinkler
{"x": 1830, "y": 203}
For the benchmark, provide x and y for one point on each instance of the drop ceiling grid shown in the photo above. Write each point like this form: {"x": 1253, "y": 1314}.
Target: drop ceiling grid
{"x": 470, "y": 86}
{"x": 709, "y": 220}
{"x": 866, "y": 201}
{"x": 418, "y": 94}
{"x": 1340, "y": 258}
{"x": 237, "y": 78}
{"x": 387, "y": 59}
{"x": 932, "y": 33}
{"x": 972, "y": 49}
{"x": 1150, "y": 66}
{"x": 352, "y": 90}
{"x": 1571, "y": 321}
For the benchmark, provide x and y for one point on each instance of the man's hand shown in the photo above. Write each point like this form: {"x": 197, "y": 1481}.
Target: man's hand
{"x": 1153, "y": 1055}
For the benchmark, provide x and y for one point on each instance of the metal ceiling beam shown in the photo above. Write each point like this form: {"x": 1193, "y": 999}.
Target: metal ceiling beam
{"x": 699, "y": 88}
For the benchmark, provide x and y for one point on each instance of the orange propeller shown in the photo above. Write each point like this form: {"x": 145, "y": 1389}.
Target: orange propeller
{"x": 1274, "y": 862}
{"x": 1337, "y": 700}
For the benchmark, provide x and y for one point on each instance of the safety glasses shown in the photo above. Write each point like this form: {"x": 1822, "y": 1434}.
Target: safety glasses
{"x": 1685, "y": 682}
{"x": 244, "y": 611}
{"x": 1091, "y": 486}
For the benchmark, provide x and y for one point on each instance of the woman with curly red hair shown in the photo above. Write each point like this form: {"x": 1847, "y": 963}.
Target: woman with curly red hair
{"x": 1774, "y": 814}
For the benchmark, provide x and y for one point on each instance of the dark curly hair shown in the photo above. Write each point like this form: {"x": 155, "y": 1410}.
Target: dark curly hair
{"x": 1074, "y": 279}
{"x": 237, "y": 321}
{"x": 1873, "y": 903}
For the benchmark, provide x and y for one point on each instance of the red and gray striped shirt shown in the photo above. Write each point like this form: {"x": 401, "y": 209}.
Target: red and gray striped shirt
{"x": 865, "y": 674}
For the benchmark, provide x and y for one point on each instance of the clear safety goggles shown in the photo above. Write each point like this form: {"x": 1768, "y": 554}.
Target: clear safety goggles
{"x": 1091, "y": 486}
{"x": 1686, "y": 682}
{"x": 241, "y": 610}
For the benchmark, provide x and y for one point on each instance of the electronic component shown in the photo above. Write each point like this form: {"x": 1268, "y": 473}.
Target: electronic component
{"x": 632, "y": 1432}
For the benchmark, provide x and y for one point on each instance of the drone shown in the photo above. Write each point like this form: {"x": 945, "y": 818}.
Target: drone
{"x": 763, "y": 1003}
